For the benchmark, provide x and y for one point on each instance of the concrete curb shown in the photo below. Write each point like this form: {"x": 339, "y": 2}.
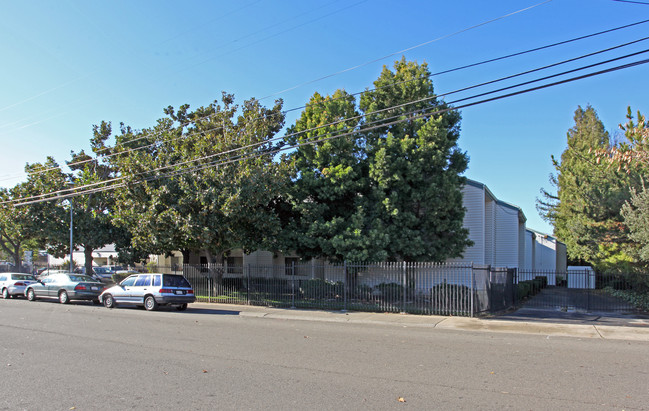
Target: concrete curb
{"x": 607, "y": 332}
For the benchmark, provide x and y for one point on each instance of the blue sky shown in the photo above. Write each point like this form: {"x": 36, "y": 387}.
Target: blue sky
{"x": 70, "y": 64}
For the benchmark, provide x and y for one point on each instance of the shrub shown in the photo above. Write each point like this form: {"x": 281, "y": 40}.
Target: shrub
{"x": 390, "y": 291}
{"x": 639, "y": 299}
{"x": 319, "y": 288}
{"x": 523, "y": 289}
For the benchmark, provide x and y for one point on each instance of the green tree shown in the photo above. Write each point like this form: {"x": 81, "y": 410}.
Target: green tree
{"x": 201, "y": 180}
{"x": 415, "y": 165}
{"x": 386, "y": 188}
{"x": 633, "y": 157}
{"x": 36, "y": 223}
{"x": 585, "y": 211}
{"x": 329, "y": 197}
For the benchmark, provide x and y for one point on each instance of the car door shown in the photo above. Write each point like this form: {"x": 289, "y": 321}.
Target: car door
{"x": 122, "y": 292}
{"x": 141, "y": 288}
{"x": 52, "y": 286}
{"x": 40, "y": 289}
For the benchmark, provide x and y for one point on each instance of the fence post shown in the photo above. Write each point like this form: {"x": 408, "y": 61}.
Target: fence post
{"x": 209, "y": 284}
{"x": 404, "y": 284}
{"x": 473, "y": 287}
{"x": 587, "y": 280}
{"x": 345, "y": 285}
{"x": 248, "y": 287}
{"x": 292, "y": 284}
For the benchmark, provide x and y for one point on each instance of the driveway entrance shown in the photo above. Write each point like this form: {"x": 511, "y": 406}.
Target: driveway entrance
{"x": 577, "y": 299}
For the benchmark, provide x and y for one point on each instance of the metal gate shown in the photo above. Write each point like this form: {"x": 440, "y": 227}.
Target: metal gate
{"x": 575, "y": 290}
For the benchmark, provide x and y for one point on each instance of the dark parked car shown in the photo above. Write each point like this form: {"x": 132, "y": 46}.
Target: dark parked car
{"x": 150, "y": 291}
{"x": 65, "y": 287}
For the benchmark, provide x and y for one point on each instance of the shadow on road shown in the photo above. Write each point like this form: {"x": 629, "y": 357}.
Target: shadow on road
{"x": 210, "y": 311}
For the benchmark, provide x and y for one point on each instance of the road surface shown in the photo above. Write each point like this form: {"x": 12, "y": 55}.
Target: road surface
{"x": 83, "y": 357}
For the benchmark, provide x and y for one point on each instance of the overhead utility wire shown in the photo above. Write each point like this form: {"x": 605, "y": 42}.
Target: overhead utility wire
{"x": 253, "y": 155}
{"x": 69, "y": 192}
{"x": 390, "y": 85}
{"x": 412, "y": 112}
{"x": 376, "y": 112}
{"x": 404, "y": 50}
{"x": 433, "y": 74}
{"x": 542, "y": 47}
{"x": 478, "y": 63}
{"x": 461, "y": 67}
{"x": 634, "y": 2}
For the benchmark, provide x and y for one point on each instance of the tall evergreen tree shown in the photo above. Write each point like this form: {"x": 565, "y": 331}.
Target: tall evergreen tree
{"x": 389, "y": 188}
{"x": 585, "y": 211}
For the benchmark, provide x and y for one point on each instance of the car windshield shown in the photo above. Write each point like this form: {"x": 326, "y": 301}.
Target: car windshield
{"x": 22, "y": 277}
{"x": 80, "y": 278}
{"x": 101, "y": 270}
{"x": 174, "y": 281}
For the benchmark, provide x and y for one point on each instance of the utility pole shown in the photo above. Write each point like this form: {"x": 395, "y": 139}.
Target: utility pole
{"x": 71, "y": 242}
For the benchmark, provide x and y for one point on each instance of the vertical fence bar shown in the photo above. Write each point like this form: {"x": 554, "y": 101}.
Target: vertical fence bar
{"x": 209, "y": 284}
{"x": 345, "y": 290}
{"x": 248, "y": 286}
{"x": 471, "y": 290}
{"x": 292, "y": 284}
{"x": 405, "y": 269}
{"x": 587, "y": 281}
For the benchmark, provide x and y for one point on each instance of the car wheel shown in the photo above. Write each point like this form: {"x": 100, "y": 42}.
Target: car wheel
{"x": 181, "y": 307}
{"x": 109, "y": 301}
{"x": 63, "y": 297}
{"x": 5, "y": 293}
{"x": 150, "y": 303}
{"x": 31, "y": 295}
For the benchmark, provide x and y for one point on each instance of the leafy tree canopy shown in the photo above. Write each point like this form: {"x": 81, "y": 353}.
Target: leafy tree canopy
{"x": 202, "y": 179}
{"x": 383, "y": 188}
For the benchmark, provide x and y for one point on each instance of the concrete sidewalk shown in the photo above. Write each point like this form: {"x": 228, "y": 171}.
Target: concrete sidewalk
{"x": 631, "y": 329}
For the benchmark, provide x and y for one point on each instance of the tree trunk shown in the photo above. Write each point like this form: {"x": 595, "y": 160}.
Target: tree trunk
{"x": 17, "y": 258}
{"x": 87, "y": 252}
{"x": 185, "y": 257}
{"x": 216, "y": 273}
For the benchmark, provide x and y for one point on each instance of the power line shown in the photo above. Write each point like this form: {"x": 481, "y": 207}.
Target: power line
{"x": 416, "y": 79}
{"x": 404, "y": 50}
{"x": 634, "y": 2}
{"x": 337, "y": 122}
{"x": 68, "y": 192}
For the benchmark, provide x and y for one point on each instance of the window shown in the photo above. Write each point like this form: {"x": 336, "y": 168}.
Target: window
{"x": 235, "y": 265}
{"x": 80, "y": 278}
{"x": 129, "y": 281}
{"x": 174, "y": 281}
{"x": 143, "y": 281}
{"x": 289, "y": 262}
{"x": 3, "y": 278}
{"x": 156, "y": 281}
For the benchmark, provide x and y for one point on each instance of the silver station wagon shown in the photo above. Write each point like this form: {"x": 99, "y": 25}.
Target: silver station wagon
{"x": 150, "y": 291}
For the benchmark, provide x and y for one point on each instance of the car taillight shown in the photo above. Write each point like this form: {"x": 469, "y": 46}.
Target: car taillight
{"x": 80, "y": 287}
{"x": 19, "y": 284}
{"x": 190, "y": 291}
{"x": 165, "y": 290}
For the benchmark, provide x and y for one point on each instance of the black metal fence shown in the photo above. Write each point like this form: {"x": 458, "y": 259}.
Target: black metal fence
{"x": 415, "y": 288}
{"x": 578, "y": 290}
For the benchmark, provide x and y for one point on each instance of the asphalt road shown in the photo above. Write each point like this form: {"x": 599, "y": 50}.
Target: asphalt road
{"x": 83, "y": 357}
